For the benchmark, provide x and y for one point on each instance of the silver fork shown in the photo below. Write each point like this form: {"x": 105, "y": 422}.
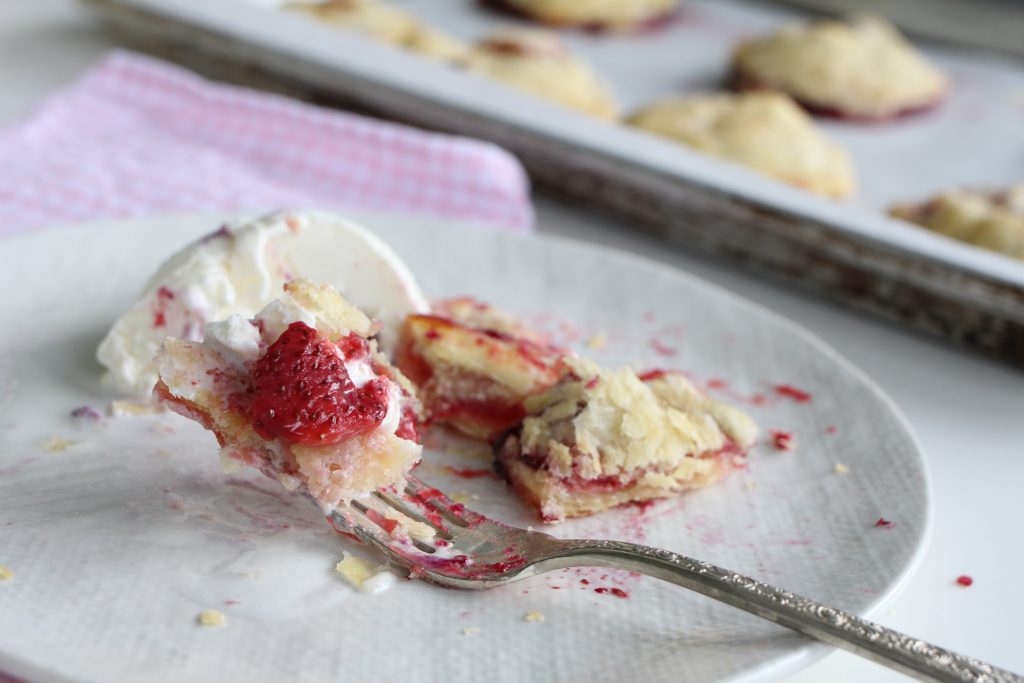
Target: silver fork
{"x": 468, "y": 550}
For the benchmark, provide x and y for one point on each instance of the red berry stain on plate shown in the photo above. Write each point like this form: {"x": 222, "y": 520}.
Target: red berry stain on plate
{"x": 884, "y": 523}
{"x": 722, "y": 386}
{"x": 831, "y": 429}
{"x": 261, "y": 522}
{"x": 653, "y": 374}
{"x": 782, "y": 441}
{"x": 86, "y": 414}
{"x": 964, "y": 580}
{"x": 617, "y": 592}
{"x": 791, "y": 392}
{"x": 663, "y": 349}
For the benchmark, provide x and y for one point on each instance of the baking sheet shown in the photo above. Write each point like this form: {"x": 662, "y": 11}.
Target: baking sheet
{"x": 849, "y": 250}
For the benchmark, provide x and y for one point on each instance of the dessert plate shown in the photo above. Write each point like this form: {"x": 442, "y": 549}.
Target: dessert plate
{"x": 121, "y": 530}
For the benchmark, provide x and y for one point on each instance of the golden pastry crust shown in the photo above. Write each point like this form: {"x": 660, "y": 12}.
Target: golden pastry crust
{"x": 540, "y": 64}
{"x": 598, "y": 439}
{"x": 613, "y": 15}
{"x": 861, "y": 68}
{"x": 197, "y": 381}
{"x": 470, "y": 312}
{"x": 388, "y": 24}
{"x": 765, "y": 131}
{"x": 474, "y": 377}
{"x": 992, "y": 220}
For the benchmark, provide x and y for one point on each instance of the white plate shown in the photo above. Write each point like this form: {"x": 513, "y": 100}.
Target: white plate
{"x": 119, "y": 541}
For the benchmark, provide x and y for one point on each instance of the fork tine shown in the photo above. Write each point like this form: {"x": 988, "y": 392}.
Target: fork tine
{"x": 412, "y": 508}
{"x": 477, "y": 553}
{"x": 353, "y": 521}
{"x": 416, "y": 488}
{"x": 429, "y": 497}
{"x": 364, "y": 521}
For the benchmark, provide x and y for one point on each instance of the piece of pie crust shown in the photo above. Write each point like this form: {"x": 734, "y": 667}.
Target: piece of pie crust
{"x": 861, "y": 68}
{"x": 765, "y": 131}
{"x": 299, "y": 392}
{"x": 598, "y": 439}
{"x": 386, "y": 23}
{"x": 539, "y": 63}
{"x": 474, "y": 366}
{"x": 992, "y": 220}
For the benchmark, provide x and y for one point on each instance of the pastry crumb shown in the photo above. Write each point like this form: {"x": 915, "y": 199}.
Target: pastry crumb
{"x": 367, "y": 577}
{"x": 471, "y": 630}
{"x": 598, "y": 341}
{"x": 533, "y": 615}
{"x": 353, "y": 569}
{"x": 126, "y": 408}
{"x": 229, "y": 465}
{"x": 289, "y": 482}
{"x": 840, "y": 468}
{"x": 6, "y": 573}
{"x": 750, "y": 485}
{"x": 464, "y": 497}
{"x": 211, "y": 617}
{"x": 56, "y": 444}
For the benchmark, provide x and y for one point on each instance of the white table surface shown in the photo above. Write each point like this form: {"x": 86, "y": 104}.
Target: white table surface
{"x": 967, "y": 411}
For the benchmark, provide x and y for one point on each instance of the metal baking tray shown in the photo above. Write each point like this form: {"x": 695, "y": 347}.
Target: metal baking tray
{"x": 984, "y": 24}
{"x": 848, "y": 250}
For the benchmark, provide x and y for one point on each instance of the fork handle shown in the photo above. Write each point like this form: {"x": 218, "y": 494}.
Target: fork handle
{"x": 891, "y": 648}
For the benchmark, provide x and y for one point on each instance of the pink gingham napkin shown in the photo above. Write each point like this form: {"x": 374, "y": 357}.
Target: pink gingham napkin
{"x": 137, "y": 136}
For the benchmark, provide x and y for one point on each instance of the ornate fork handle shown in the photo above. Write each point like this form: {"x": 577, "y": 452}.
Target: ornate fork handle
{"x": 891, "y": 648}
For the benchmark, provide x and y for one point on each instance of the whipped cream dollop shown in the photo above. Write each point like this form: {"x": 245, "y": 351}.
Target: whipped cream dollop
{"x": 239, "y": 270}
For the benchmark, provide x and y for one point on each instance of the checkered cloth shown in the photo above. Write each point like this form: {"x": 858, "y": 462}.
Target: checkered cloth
{"x": 137, "y": 136}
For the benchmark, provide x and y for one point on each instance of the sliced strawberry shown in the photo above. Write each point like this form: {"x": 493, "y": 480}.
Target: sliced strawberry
{"x": 353, "y": 346}
{"x": 407, "y": 425}
{"x": 302, "y": 393}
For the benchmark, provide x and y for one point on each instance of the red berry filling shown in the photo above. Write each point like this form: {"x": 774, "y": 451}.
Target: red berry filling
{"x": 407, "y": 425}
{"x": 302, "y": 393}
{"x": 782, "y": 441}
